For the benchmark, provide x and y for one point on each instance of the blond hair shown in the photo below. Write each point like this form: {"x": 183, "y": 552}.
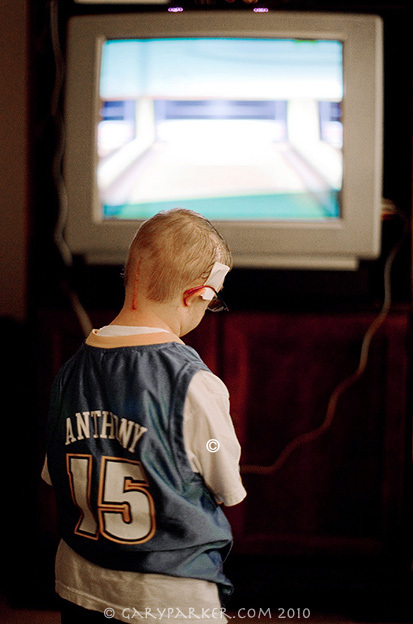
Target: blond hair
{"x": 171, "y": 251}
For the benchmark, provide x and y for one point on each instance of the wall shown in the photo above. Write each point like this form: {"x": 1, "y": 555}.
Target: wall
{"x": 14, "y": 157}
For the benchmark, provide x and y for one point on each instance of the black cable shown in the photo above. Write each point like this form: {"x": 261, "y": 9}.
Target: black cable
{"x": 57, "y": 116}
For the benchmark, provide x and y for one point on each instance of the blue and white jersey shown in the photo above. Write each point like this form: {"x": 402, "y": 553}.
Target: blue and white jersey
{"x": 127, "y": 496}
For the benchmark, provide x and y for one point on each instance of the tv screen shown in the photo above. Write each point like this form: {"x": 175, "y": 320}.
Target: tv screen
{"x": 237, "y": 129}
{"x": 269, "y": 124}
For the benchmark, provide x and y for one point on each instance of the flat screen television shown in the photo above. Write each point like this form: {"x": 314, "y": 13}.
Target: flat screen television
{"x": 269, "y": 123}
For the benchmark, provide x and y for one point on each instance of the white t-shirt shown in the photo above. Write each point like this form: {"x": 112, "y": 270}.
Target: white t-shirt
{"x": 136, "y": 596}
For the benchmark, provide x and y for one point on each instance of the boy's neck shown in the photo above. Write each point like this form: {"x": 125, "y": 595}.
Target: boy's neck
{"x": 141, "y": 318}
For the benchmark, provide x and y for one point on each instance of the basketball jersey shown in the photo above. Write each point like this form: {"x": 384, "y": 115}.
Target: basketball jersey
{"x": 127, "y": 496}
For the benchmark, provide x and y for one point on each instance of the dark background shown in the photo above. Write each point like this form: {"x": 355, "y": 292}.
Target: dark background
{"x": 333, "y": 527}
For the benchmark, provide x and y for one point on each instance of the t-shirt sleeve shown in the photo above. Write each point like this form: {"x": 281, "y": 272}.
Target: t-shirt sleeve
{"x": 210, "y": 440}
{"x": 45, "y": 473}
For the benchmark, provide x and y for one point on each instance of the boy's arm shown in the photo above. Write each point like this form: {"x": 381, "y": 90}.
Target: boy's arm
{"x": 210, "y": 439}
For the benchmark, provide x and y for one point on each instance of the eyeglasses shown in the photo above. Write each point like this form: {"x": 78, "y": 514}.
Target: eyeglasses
{"x": 217, "y": 304}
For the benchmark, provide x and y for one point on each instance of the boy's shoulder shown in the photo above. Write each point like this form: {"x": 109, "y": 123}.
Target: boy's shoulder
{"x": 173, "y": 352}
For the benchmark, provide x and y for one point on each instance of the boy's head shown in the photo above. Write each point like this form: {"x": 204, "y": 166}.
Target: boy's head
{"x": 171, "y": 252}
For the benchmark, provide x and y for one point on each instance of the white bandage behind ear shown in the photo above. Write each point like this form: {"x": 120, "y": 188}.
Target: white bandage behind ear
{"x": 215, "y": 279}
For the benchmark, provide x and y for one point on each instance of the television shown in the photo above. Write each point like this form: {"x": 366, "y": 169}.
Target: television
{"x": 268, "y": 123}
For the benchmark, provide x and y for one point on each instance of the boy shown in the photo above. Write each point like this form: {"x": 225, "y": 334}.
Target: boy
{"x": 135, "y": 423}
